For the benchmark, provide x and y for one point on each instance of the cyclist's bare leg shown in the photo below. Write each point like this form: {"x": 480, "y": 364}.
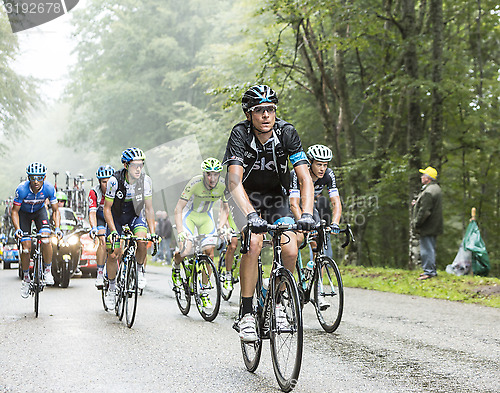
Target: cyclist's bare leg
{"x": 112, "y": 263}
{"x": 231, "y": 249}
{"x": 249, "y": 266}
{"x": 101, "y": 248}
{"x": 289, "y": 250}
{"x": 46, "y": 251}
{"x": 141, "y": 252}
{"x": 25, "y": 254}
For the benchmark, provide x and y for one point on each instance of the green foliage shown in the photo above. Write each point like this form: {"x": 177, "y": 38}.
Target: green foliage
{"x": 17, "y": 93}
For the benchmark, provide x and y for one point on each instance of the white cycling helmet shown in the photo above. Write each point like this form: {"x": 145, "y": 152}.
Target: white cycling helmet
{"x": 319, "y": 153}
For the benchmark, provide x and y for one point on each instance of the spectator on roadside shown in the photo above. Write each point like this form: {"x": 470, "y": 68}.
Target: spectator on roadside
{"x": 428, "y": 220}
{"x": 164, "y": 230}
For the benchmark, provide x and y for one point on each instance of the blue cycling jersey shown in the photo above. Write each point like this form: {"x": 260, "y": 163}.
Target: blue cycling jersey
{"x": 31, "y": 202}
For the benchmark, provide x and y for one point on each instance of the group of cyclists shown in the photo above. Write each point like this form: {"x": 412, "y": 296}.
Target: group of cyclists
{"x": 259, "y": 188}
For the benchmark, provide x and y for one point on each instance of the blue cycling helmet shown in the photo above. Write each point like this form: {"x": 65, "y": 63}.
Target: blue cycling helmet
{"x": 131, "y": 154}
{"x": 105, "y": 171}
{"x": 256, "y": 95}
{"x": 36, "y": 168}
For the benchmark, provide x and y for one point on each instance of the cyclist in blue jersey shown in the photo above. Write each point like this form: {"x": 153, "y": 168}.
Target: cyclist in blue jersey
{"x": 128, "y": 201}
{"x": 29, "y": 206}
{"x": 257, "y": 155}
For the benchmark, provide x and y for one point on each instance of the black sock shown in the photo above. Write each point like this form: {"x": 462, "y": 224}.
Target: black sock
{"x": 246, "y": 305}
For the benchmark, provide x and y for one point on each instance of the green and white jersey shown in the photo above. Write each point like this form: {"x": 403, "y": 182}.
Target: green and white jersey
{"x": 200, "y": 199}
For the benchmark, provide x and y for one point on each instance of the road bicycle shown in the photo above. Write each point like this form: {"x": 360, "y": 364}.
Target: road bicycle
{"x": 226, "y": 293}
{"x": 200, "y": 280}
{"x": 37, "y": 283}
{"x": 127, "y": 289}
{"x": 278, "y": 314}
{"x": 320, "y": 282}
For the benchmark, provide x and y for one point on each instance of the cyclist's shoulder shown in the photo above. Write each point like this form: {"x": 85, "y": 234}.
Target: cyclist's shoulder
{"x": 49, "y": 188}
{"x": 23, "y": 187}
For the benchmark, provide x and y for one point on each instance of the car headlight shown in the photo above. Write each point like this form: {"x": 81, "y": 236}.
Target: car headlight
{"x": 73, "y": 240}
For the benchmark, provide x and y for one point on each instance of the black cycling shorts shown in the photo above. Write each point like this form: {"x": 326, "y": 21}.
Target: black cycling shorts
{"x": 40, "y": 218}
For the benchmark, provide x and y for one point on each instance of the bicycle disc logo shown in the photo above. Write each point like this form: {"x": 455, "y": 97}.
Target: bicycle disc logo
{"x": 25, "y": 14}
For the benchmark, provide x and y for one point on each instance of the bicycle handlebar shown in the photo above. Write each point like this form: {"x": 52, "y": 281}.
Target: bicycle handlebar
{"x": 277, "y": 228}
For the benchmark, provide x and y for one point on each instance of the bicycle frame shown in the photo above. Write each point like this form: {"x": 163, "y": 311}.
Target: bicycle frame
{"x": 306, "y": 284}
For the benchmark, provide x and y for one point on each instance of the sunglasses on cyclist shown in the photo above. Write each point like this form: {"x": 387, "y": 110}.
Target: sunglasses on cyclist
{"x": 134, "y": 165}
{"x": 37, "y": 177}
{"x": 261, "y": 109}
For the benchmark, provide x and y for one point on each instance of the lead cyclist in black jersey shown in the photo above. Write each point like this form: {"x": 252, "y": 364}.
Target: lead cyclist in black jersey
{"x": 257, "y": 155}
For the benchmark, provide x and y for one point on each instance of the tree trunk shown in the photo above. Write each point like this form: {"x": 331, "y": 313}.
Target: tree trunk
{"x": 436, "y": 137}
{"x": 414, "y": 126}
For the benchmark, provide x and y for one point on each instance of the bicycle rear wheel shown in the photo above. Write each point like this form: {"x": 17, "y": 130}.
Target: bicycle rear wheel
{"x": 183, "y": 293}
{"x": 131, "y": 292}
{"x": 328, "y": 294}
{"x": 286, "y": 330}
{"x": 206, "y": 288}
{"x": 252, "y": 350}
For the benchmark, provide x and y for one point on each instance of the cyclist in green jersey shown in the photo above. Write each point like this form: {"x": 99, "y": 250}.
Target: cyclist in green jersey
{"x": 194, "y": 215}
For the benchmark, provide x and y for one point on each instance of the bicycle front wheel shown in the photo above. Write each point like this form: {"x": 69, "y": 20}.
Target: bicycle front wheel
{"x": 206, "y": 288}
{"x": 328, "y": 294}
{"x": 131, "y": 292}
{"x": 37, "y": 285}
{"x": 120, "y": 289}
{"x": 286, "y": 330}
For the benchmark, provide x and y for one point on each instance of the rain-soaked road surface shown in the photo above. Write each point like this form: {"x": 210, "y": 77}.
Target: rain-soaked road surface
{"x": 385, "y": 343}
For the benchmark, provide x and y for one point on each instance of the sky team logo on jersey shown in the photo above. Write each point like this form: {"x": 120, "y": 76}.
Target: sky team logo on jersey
{"x": 262, "y": 165}
{"x": 25, "y": 14}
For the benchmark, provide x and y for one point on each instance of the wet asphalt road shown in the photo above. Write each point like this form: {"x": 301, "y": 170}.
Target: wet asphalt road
{"x": 385, "y": 343}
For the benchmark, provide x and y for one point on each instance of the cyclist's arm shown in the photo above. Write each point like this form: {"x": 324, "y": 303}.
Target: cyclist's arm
{"x": 306, "y": 188}
{"x": 181, "y": 204}
{"x": 56, "y": 215}
{"x": 150, "y": 215}
{"x": 15, "y": 216}
{"x": 336, "y": 209}
{"x": 235, "y": 185}
{"x": 93, "y": 219}
{"x": 295, "y": 207}
{"x": 223, "y": 215}
{"x": 108, "y": 216}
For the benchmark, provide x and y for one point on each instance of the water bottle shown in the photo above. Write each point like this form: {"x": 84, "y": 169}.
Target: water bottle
{"x": 265, "y": 287}
{"x": 308, "y": 272}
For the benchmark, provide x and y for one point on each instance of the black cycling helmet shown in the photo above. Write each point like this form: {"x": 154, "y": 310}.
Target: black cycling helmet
{"x": 258, "y": 95}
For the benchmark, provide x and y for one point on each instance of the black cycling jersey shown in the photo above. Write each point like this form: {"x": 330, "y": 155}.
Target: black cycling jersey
{"x": 263, "y": 178}
{"x": 242, "y": 150}
{"x": 328, "y": 181}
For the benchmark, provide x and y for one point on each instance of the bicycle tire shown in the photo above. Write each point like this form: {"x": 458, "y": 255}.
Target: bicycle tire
{"x": 225, "y": 293}
{"x": 183, "y": 294}
{"x": 332, "y": 295}
{"x": 120, "y": 285}
{"x": 205, "y": 268}
{"x": 37, "y": 283}
{"x": 286, "y": 336}
{"x": 104, "y": 291}
{"x": 131, "y": 292}
{"x": 252, "y": 351}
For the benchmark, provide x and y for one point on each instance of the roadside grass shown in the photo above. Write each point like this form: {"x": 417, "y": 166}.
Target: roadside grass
{"x": 468, "y": 289}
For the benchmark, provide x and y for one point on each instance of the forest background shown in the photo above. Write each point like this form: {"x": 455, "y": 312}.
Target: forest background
{"x": 390, "y": 86}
